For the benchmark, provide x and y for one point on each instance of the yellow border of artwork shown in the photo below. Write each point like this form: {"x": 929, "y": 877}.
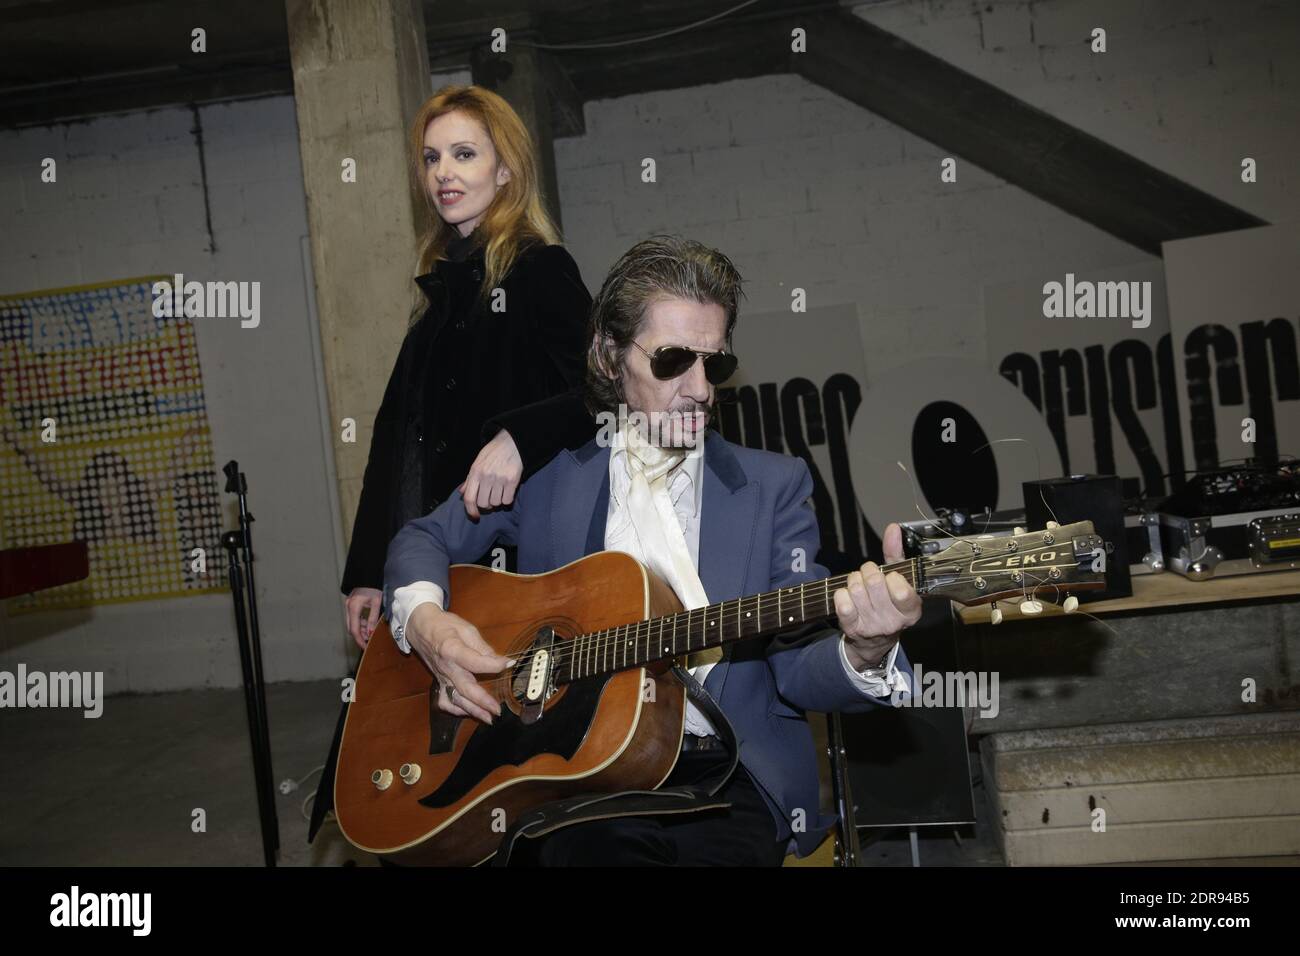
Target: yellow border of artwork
{"x": 89, "y": 287}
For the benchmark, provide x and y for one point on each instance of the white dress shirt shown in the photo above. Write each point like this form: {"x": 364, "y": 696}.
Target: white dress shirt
{"x": 686, "y": 488}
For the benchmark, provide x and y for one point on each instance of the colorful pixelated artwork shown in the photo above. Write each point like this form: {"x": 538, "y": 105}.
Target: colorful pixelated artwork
{"x": 104, "y": 439}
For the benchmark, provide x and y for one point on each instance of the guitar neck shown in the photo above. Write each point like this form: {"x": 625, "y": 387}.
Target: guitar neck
{"x": 644, "y": 642}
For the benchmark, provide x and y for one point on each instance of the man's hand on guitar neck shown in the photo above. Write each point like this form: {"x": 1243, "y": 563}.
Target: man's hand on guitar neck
{"x": 875, "y": 608}
{"x": 454, "y": 650}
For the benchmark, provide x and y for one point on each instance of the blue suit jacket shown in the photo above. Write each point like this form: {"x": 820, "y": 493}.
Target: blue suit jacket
{"x": 756, "y": 521}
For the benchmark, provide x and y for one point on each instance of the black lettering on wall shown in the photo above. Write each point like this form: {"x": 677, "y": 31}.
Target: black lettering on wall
{"x": 961, "y": 474}
{"x": 1169, "y": 412}
{"x": 1133, "y": 388}
{"x": 796, "y": 392}
{"x": 1200, "y": 343}
{"x": 795, "y": 416}
{"x": 1258, "y": 339}
{"x": 738, "y": 416}
{"x": 1064, "y": 392}
{"x": 841, "y": 396}
{"x": 1099, "y": 406}
{"x": 1022, "y": 371}
{"x": 767, "y": 398}
{"x": 1058, "y": 401}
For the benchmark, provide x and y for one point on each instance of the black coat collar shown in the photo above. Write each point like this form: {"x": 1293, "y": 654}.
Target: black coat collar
{"x": 446, "y": 272}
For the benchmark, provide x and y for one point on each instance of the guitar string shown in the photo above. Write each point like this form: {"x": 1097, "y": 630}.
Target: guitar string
{"x": 495, "y": 683}
{"x": 611, "y": 640}
{"x": 1038, "y": 462}
{"x": 592, "y": 652}
{"x": 1034, "y": 593}
{"x": 604, "y": 642}
{"x": 601, "y": 643}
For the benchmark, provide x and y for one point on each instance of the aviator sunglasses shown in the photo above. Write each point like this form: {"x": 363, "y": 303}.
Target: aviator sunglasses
{"x": 670, "y": 361}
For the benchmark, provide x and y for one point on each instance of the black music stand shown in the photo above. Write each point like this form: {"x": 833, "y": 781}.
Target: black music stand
{"x": 240, "y": 544}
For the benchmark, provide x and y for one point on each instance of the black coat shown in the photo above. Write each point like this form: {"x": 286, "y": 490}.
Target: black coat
{"x": 461, "y": 372}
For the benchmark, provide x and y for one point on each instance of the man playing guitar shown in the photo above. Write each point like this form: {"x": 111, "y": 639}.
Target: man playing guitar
{"x": 715, "y": 521}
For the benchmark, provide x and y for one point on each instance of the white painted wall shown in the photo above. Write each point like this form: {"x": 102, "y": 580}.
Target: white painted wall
{"x": 129, "y": 202}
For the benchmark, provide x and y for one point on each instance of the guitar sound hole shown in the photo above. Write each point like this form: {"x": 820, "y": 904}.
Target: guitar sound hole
{"x": 525, "y": 655}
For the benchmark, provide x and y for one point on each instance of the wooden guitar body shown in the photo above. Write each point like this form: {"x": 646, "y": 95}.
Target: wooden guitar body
{"x": 418, "y": 786}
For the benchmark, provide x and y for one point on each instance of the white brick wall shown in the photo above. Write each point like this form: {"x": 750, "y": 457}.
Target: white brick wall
{"x": 849, "y": 206}
{"x": 1189, "y": 86}
{"x": 815, "y": 192}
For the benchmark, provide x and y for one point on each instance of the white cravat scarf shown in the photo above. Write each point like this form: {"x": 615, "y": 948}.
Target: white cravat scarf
{"x": 653, "y": 519}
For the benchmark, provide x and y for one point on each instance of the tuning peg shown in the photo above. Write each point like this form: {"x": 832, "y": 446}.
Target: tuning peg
{"x": 1070, "y": 604}
{"x": 995, "y": 616}
{"x": 1052, "y": 525}
{"x": 1031, "y": 607}
{"x": 1019, "y": 530}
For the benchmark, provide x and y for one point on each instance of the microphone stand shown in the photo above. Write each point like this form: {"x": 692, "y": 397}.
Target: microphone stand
{"x": 243, "y": 590}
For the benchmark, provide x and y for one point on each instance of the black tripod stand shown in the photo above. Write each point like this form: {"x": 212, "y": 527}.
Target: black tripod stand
{"x": 240, "y": 543}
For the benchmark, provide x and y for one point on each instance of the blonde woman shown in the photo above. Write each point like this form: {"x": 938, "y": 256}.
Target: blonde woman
{"x": 467, "y": 369}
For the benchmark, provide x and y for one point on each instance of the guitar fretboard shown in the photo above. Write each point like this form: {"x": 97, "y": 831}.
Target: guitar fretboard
{"x": 643, "y": 642}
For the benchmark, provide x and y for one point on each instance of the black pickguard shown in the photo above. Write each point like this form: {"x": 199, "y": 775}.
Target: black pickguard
{"x": 509, "y": 741}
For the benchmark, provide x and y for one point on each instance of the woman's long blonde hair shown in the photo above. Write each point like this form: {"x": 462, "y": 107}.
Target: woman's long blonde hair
{"x": 516, "y": 215}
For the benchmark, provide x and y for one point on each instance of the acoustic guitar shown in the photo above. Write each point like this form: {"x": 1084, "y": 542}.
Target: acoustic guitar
{"x": 591, "y": 704}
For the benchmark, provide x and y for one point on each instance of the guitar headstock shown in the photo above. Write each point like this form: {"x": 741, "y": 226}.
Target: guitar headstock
{"x": 1054, "y": 561}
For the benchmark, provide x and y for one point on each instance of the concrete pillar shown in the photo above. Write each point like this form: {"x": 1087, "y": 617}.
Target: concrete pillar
{"x": 360, "y": 71}
{"x": 525, "y": 88}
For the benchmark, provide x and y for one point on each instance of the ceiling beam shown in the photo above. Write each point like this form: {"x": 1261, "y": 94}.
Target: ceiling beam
{"x": 168, "y": 85}
{"x": 1047, "y": 157}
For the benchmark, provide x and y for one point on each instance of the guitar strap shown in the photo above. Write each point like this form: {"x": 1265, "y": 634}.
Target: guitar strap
{"x": 700, "y": 795}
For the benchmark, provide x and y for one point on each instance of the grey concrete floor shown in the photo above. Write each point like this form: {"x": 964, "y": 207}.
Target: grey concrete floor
{"x": 121, "y": 790}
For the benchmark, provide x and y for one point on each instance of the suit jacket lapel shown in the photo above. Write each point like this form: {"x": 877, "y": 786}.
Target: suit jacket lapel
{"x": 599, "y": 517}
{"x": 727, "y": 521}
{"x": 580, "y": 504}
{"x": 726, "y": 534}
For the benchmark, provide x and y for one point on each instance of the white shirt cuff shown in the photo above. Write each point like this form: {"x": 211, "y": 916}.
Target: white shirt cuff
{"x": 407, "y": 599}
{"x": 893, "y": 679}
